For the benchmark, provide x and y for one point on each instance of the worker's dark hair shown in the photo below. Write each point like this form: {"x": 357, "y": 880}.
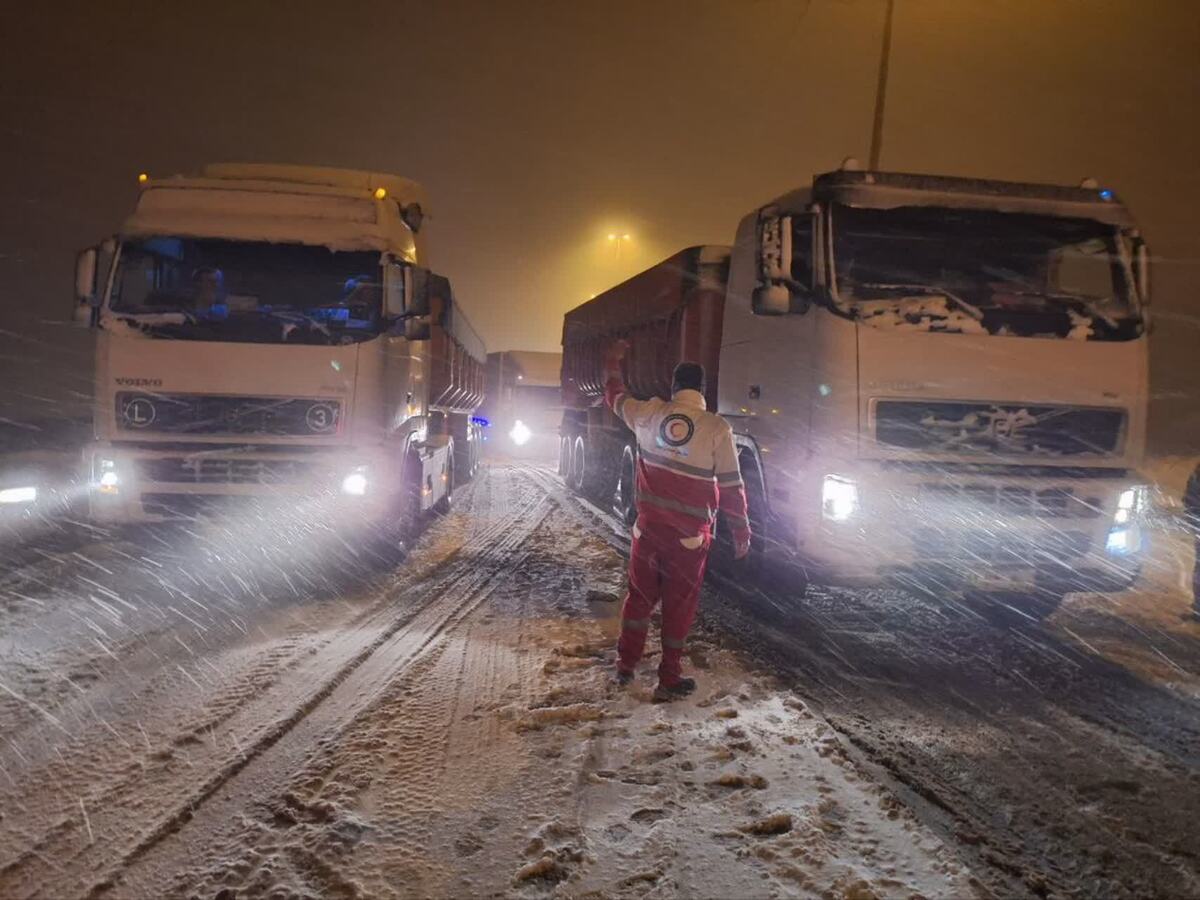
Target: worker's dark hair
{"x": 689, "y": 376}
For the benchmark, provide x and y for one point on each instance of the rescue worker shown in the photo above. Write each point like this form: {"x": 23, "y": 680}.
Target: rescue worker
{"x": 687, "y": 469}
{"x": 1191, "y": 513}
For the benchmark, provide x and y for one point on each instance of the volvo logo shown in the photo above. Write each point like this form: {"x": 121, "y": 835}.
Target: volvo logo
{"x": 139, "y": 412}
{"x": 321, "y": 417}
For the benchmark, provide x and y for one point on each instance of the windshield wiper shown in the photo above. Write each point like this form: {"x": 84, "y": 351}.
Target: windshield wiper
{"x": 973, "y": 311}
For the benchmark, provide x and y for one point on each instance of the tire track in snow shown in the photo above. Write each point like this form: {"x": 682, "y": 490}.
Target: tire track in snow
{"x": 408, "y": 641}
{"x": 135, "y": 807}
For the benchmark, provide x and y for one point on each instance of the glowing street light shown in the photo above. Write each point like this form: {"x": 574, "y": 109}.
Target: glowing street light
{"x": 617, "y": 239}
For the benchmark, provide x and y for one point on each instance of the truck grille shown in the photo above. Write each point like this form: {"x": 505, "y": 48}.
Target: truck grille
{"x": 1001, "y": 550}
{"x": 999, "y": 429}
{"x": 193, "y": 506}
{"x": 200, "y": 414}
{"x": 1010, "y": 500}
{"x": 217, "y": 470}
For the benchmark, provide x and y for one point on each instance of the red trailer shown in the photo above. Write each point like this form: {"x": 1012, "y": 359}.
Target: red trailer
{"x": 669, "y": 313}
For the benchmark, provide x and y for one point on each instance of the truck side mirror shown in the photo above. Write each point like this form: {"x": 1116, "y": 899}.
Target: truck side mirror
{"x": 85, "y": 286}
{"x": 417, "y": 293}
{"x": 1141, "y": 269}
{"x": 784, "y": 279}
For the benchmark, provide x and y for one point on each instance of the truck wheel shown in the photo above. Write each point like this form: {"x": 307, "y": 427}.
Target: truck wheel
{"x": 575, "y": 481}
{"x": 623, "y": 497}
{"x": 444, "y": 505}
{"x": 564, "y": 458}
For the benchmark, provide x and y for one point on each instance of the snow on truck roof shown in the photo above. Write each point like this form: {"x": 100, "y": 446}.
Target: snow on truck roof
{"x": 887, "y": 190}
{"x": 341, "y": 209}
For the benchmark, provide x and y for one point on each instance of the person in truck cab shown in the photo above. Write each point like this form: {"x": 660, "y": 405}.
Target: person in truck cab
{"x": 208, "y": 287}
{"x": 687, "y": 470}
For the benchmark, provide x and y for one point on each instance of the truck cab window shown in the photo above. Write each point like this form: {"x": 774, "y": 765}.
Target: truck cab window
{"x": 222, "y": 290}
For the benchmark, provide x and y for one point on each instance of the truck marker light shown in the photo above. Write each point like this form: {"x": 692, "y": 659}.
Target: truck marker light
{"x": 380, "y": 194}
{"x": 18, "y": 495}
{"x": 839, "y": 498}
{"x": 143, "y": 177}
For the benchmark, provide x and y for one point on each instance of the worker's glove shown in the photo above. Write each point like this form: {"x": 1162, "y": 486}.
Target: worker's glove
{"x": 616, "y": 353}
{"x": 741, "y": 546}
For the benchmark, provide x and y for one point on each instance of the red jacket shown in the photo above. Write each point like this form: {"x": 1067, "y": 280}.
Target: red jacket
{"x": 687, "y": 462}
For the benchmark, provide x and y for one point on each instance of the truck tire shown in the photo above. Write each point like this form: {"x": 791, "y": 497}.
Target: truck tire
{"x": 623, "y": 497}
{"x": 446, "y": 503}
{"x": 564, "y": 458}
{"x": 577, "y": 477}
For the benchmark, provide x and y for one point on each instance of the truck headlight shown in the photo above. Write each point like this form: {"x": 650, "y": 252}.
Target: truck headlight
{"x": 355, "y": 484}
{"x": 1131, "y": 502}
{"x": 1123, "y": 541}
{"x": 15, "y": 495}
{"x": 839, "y": 498}
{"x": 520, "y": 433}
{"x": 1125, "y": 536}
{"x": 108, "y": 481}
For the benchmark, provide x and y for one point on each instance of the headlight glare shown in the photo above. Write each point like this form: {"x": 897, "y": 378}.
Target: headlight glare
{"x": 355, "y": 484}
{"x": 18, "y": 494}
{"x": 520, "y": 433}
{"x": 839, "y": 498}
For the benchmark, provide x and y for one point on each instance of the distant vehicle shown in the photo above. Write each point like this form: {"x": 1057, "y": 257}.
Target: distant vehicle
{"x": 937, "y": 381}
{"x": 271, "y": 333}
{"x": 40, "y": 488}
{"x": 523, "y": 407}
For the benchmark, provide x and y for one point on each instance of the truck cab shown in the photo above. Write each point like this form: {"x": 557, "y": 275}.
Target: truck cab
{"x": 272, "y": 336}
{"x": 942, "y": 380}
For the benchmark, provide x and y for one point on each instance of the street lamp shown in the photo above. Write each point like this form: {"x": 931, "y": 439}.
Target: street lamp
{"x": 617, "y": 239}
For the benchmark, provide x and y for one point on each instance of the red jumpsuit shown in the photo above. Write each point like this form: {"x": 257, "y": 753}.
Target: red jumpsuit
{"x": 687, "y": 469}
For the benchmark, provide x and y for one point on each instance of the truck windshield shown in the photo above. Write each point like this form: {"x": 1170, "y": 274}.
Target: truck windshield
{"x": 980, "y": 271}
{"x": 218, "y": 290}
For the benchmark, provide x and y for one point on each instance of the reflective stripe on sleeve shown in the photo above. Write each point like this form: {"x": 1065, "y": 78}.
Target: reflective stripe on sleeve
{"x": 729, "y": 479}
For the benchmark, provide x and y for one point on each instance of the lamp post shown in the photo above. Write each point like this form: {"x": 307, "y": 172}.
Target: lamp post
{"x": 881, "y": 87}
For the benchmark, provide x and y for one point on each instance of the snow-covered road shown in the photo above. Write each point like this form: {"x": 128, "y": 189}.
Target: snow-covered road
{"x": 192, "y": 714}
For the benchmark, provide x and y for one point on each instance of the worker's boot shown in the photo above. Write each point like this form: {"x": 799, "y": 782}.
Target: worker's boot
{"x": 665, "y": 693}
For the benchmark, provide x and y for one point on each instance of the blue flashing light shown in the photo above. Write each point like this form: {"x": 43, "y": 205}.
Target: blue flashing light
{"x": 1106, "y": 194}
{"x": 480, "y": 421}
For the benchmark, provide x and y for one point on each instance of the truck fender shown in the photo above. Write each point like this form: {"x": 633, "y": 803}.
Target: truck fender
{"x": 747, "y": 446}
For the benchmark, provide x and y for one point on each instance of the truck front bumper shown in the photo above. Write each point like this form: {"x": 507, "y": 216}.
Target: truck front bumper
{"x": 145, "y": 483}
{"x": 963, "y": 530}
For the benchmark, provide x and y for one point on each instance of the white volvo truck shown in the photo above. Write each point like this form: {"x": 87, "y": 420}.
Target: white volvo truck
{"x": 271, "y": 338}
{"x": 933, "y": 380}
